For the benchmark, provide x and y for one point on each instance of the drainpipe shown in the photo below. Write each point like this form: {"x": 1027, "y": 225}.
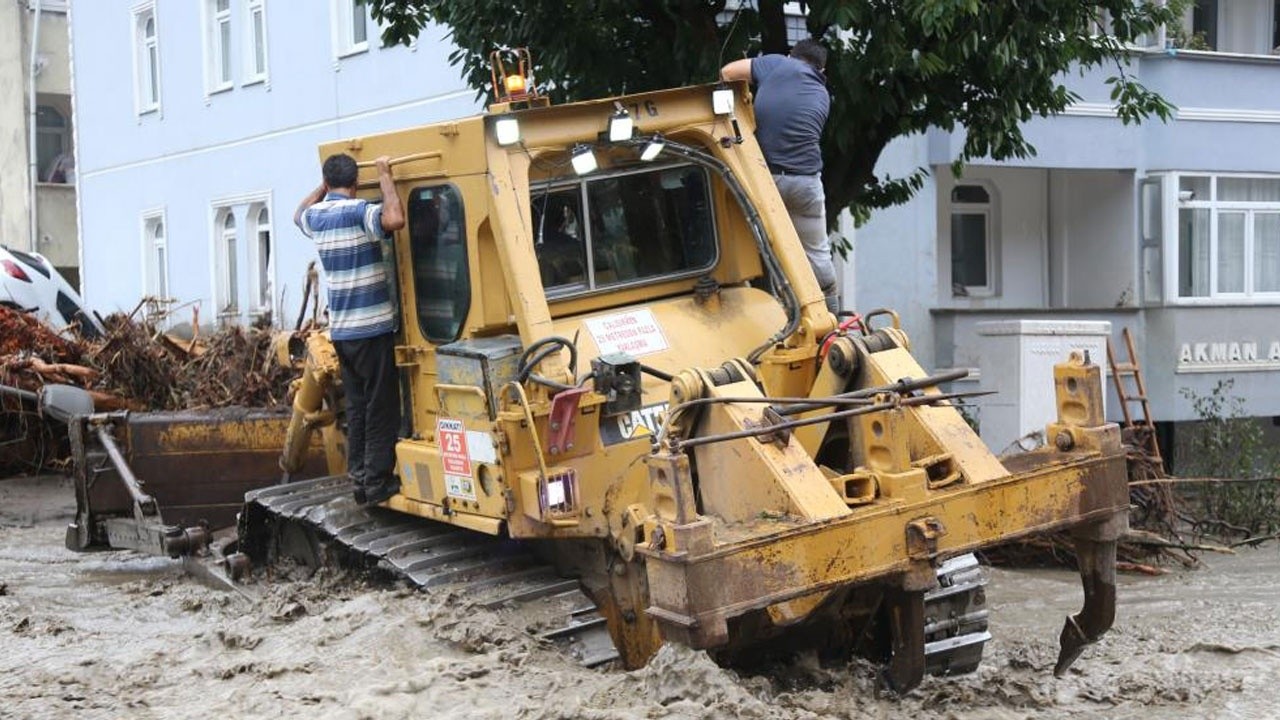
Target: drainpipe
{"x": 33, "y": 164}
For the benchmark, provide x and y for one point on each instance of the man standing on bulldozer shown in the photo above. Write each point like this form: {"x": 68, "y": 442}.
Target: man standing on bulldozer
{"x": 348, "y": 233}
{"x": 791, "y": 105}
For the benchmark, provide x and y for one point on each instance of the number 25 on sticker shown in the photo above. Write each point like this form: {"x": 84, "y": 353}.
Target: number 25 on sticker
{"x": 453, "y": 446}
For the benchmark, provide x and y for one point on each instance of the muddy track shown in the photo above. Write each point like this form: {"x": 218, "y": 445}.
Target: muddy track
{"x": 492, "y": 573}
{"x": 121, "y": 635}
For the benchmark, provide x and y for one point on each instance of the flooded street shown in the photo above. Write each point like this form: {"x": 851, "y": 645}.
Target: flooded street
{"x": 122, "y": 635}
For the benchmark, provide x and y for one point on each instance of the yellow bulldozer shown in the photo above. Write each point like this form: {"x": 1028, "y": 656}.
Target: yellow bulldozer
{"x": 618, "y": 374}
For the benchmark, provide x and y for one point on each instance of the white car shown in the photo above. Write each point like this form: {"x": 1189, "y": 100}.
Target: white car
{"x": 29, "y": 282}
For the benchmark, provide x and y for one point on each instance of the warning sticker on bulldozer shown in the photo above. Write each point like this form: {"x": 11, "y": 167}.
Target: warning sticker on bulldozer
{"x": 460, "y": 487}
{"x": 452, "y": 436}
{"x": 634, "y": 332}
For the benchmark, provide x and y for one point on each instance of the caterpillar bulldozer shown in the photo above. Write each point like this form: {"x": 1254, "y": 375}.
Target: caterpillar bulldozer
{"x": 618, "y": 374}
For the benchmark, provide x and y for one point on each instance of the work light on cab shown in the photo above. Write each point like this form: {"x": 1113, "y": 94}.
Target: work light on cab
{"x": 722, "y": 100}
{"x": 506, "y": 130}
{"x": 620, "y": 124}
{"x": 583, "y": 158}
{"x": 653, "y": 148}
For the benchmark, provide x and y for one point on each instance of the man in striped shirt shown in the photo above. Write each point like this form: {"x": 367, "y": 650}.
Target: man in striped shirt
{"x": 348, "y": 233}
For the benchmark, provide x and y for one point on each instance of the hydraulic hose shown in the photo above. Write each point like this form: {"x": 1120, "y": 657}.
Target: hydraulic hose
{"x": 540, "y": 350}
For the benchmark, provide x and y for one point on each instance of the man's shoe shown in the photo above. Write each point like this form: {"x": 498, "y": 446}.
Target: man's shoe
{"x": 375, "y": 493}
{"x": 357, "y": 485}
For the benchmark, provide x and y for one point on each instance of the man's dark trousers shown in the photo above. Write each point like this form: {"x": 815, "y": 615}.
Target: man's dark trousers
{"x": 372, "y": 389}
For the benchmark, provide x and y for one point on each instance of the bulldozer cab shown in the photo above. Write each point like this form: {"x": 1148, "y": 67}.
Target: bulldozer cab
{"x": 667, "y": 243}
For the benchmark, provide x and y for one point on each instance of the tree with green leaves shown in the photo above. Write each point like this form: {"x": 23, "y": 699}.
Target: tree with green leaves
{"x": 895, "y": 67}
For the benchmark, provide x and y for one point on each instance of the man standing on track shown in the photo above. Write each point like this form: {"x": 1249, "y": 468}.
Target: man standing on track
{"x": 348, "y": 233}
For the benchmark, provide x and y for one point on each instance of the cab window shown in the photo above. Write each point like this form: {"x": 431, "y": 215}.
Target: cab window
{"x": 438, "y": 249}
{"x": 621, "y": 228}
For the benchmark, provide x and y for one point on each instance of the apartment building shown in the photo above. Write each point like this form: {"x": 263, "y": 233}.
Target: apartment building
{"x": 37, "y": 191}
{"x": 199, "y": 122}
{"x": 1169, "y": 229}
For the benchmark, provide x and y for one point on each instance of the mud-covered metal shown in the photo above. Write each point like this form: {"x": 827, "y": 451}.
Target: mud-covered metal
{"x": 494, "y": 573}
{"x": 790, "y": 551}
{"x": 191, "y": 468}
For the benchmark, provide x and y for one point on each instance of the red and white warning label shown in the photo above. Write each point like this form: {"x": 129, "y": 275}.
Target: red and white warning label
{"x": 453, "y": 446}
{"x": 634, "y": 332}
{"x": 452, "y": 436}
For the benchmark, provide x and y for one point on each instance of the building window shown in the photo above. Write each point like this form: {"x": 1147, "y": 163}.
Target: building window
{"x": 263, "y": 271}
{"x": 972, "y": 252}
{"x": 225, "y": 248}
{"x": 155, "y": 267}
{"x": 1240, "y": 26}
{"x": 351, "y": 27}
{"x": 53, "y": 145}
{"x": 797, "y": 29}
{"x": 1228, "y": 237}
{"x": 147, "y": 59}
{"x": 155, "y": 251}
{"x": 218, "y": 44}
{"x": 256, "y": 48}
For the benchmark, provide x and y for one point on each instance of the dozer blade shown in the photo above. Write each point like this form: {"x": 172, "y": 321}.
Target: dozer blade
{"x": 140, "y": 476}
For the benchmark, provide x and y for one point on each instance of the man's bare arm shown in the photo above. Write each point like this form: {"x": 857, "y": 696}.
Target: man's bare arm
{"x": 736, "y": 70}
{"x": 392, "y": 210}
{"x": 311, "y": 199}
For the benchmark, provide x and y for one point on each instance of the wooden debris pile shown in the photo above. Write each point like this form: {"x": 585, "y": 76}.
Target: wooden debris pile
{"x": 235, "y": 367}
{"x": 21, "y": 333}
{"x": 136, "y": 366}
{"x": 133, "y": 366}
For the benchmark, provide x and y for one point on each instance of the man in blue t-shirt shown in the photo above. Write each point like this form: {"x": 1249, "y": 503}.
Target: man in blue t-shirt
{"x": 791, "y": 106}
{"x": 348, "y": 233}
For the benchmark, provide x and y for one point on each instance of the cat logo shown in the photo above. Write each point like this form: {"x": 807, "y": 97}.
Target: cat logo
{"x": 635, "y": 424}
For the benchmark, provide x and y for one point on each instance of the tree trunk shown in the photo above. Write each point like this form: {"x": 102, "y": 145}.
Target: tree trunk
{"x": 773, "y": 28}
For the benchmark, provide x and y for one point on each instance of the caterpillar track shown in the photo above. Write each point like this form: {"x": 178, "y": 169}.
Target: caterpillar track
{"x": 317, "y": 521}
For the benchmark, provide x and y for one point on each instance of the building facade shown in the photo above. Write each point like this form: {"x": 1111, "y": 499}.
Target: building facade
{"x": 199, "y": 124}
{"x": 52, "y": 165}
{"x": 1169, "y": 229}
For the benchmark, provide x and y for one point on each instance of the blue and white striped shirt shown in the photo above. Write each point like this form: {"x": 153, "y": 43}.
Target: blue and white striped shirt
{"x": 348, "y": 234}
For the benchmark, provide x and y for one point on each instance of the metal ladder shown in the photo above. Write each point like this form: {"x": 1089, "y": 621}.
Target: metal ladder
{"x": 1141, "y": 429}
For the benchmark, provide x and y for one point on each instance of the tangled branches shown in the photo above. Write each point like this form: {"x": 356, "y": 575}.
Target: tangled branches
{"x": 133, "y": 366}
{"x": 136, "y": 366}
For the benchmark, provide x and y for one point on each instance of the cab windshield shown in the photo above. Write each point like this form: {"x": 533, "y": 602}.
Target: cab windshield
{"x": 623, "y": 227}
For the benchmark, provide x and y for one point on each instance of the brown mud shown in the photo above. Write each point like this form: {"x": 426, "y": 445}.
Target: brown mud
{"x": 121, "y": 635}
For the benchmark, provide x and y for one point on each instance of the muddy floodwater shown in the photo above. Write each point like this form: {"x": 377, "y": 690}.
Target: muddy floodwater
{"x": 119, "y": 635}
